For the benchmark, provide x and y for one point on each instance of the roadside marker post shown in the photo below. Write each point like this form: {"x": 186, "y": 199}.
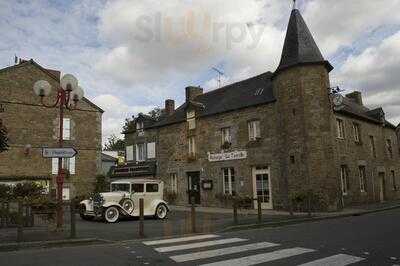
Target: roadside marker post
{"x": 193, "y": 214}
{"x": 141, "y": 218}
{"x": 259, "y": 213}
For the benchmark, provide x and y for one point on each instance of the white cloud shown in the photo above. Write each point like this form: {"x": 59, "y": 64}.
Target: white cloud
{"x": 115, "y": 112}
{"x": 376, "y": 72}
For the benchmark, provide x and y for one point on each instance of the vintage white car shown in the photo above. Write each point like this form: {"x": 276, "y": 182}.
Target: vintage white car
{"x": 123, "y": 201}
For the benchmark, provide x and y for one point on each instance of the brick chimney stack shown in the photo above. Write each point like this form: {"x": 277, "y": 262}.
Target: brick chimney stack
{"x": 169, "y": 106}
{"x": 356, "y": 97}
{"x": 193, "y": 92}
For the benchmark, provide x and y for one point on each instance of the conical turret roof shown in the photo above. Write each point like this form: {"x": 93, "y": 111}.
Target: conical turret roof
{"x": 300, "y": 47}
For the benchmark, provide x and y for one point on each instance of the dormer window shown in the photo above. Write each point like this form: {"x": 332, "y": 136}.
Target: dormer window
{"x": 191, "y": 119}
{"x": 139, "y": 125}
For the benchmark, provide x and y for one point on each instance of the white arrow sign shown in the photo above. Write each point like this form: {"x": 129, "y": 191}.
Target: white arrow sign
{"x": 59, "y": 152}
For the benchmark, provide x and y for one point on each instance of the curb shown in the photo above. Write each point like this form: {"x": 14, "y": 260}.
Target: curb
{"x": 303, "y": 220}
{"x": 50, "y": 244}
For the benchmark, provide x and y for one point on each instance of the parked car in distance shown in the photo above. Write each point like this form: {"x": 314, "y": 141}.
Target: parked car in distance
{"x": 123, "y": 201}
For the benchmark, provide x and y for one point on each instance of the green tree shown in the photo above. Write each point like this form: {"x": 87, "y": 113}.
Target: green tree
{"x": 114, "y": 144}
{"x": 129, "y": 124}
{"x": 3, "y": 138}
{"x": 156, "y": 113}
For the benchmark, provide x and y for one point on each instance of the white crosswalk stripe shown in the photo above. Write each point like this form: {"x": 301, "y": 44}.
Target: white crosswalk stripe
{"x": 337, "y": 260}
{"x": 187, "y": 246}
{"x": 222, "y": 252}
{"x": 200, "y": 244}
{"x": 261, "y": 258}
{"x": 180, "y": 239}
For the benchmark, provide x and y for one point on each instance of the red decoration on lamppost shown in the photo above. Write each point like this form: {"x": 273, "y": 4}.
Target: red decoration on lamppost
{"x": 67, "y": 92}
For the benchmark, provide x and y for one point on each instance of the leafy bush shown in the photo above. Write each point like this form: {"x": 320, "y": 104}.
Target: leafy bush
{"x": 308, "y": 199}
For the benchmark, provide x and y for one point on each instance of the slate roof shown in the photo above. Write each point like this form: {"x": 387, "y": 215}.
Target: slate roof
{"x": 300, "y": 47}
{"x": 108, "y": 158}
{"x": 250, "y": 92}
{"x": 350, "y": 107}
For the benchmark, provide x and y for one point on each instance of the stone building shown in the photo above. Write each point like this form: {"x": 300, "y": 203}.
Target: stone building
{"x": 32, "y": 126}
{"x": 278, "y": 136}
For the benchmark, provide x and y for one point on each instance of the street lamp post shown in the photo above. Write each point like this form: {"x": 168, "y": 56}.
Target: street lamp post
{"x": 68, "y": 95}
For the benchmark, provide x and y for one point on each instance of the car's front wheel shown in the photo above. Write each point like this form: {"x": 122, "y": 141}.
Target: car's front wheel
{"x": 111, "y": 214}
{"x": 161, "y": 211}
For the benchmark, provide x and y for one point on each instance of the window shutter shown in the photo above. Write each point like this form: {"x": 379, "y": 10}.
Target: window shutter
{"x": 54, "y": 166}
{"x": 67, "y": 129}
{"x": 129, "y": 153}
{"x": 72, "y": 165}
{"x": 151, "y": 150}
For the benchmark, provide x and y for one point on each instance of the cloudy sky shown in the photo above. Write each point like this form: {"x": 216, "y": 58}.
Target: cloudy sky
{"x": 131, "y": 55}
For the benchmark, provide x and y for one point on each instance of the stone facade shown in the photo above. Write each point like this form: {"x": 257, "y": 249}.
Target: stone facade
{"x": 284, "y": 139}
{"x": 32, "y": 126}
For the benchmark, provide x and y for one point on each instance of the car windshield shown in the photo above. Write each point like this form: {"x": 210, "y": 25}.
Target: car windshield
{"x": 120, "y": 187}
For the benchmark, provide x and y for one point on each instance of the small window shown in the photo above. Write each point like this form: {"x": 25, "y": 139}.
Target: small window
{"x": 191, "y": 123}
{"x": 363, "y": 179}
{"x": 66, "y": 129}
{"x": 67, "y": 164}
{"x": 344, "y": 178}
{"x": 192, "y": 146}
{"x": 356, "y": 132}
{"x": 129, "y": 153}
{"x": 389, "y": 148}
{"x": 394, "y": 180}
{"x": 226, "y": 135}
{"x": 151, "y": 188}
{"x": 340, "y": 128}
{"x": 140, "y": 152}
{"x": 137, "y": 188}
{"x": 254, "y": 130}
{"x": 120, "y": 187}
{"x": 139, "y": 125}
{"x": 372, "y": 144}
{"x": 174, "y": 182}
{"x": 229, "y": 186}
{"x": 151, "y": 150}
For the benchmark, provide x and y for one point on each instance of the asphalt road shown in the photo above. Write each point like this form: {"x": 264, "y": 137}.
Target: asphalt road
{"x": 372, "y": 239}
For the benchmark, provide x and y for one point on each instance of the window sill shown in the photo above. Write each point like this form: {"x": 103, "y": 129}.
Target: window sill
{"x": 339, "y": 138}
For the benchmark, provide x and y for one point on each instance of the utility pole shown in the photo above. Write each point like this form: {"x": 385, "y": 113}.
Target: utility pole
{"x": 220, "y": 74}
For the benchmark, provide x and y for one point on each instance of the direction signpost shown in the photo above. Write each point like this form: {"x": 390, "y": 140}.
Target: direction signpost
{"x": 59, "y": 152}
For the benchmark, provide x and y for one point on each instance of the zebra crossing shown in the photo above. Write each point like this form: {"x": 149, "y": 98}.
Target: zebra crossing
{"x": 199, "y": 250}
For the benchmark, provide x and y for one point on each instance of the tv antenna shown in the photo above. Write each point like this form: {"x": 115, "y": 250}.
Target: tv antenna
{"x": 220, "y": 74}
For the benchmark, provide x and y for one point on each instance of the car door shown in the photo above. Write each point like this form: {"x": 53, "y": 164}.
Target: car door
{"x": 152, "y": 193}
{"x": 137, "y": 193}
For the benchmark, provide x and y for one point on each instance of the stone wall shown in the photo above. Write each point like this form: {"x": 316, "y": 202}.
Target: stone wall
{"x": 29, "y": 123}
{"x": 354, "y": 154}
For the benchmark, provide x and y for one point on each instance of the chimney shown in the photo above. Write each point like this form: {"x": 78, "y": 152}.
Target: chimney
{"x": 169, "y": 106}
{"x": 356, "y": 97}
{"x": 193, "y": 92}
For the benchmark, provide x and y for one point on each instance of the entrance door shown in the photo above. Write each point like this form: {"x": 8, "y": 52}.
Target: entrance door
{"x": 194, "y": 186}
{"x": 382, "y": 187}
{"x": 262, "y": 187}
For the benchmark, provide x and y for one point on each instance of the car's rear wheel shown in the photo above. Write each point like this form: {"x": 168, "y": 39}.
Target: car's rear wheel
{"x": 161, "y": 211}
{"x": 111, "y": 214}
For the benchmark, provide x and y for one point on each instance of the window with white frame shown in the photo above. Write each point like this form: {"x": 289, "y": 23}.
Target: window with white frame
{"x": 344, "y": 178}
{"x": 340, "y": 128}
{"x": 394, "y": 180}
{"x": 192, "y": 146}
{"x": 226, "y": 135}
{"x": 174, "y": 182}
{"x": 254, "y": 130}
{"x": 363, "y": 178}
{"x": 356, "y": 132}
{"x": 67, "y": 164}
{"x": 229, "y": 186}
{"x": 66, "y": 129}
{"x": 129, "y": 153}
{"x": 140, "y": 152}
